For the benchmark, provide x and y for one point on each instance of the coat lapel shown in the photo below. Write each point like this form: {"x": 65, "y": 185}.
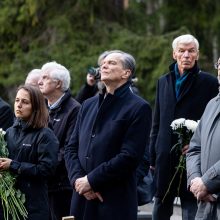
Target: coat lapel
{"x": 214, "y": 115}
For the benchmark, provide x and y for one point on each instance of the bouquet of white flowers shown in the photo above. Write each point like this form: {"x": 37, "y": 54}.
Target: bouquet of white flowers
{"x": 12, "y": 199}
{"x": 184, "y": 129}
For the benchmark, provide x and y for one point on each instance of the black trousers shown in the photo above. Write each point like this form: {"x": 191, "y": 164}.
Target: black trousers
{"x": 59, "y": 203}
{"x": 164, "y": 210}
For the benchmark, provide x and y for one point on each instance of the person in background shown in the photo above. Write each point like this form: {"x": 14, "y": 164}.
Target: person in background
{"x": 107, "y": 145}
{"x": 203, "y": 161}
{"x": 181, "y": 93}
{"x": 90, "y": 88}
{"x": 6, "y": 115}
{"x": 33, "y": 150}
{"x": 133, "y": 86}
{"x": 63, "y": 109}
{"x": 93, "y": 84}
{"x": 33, "y": 77}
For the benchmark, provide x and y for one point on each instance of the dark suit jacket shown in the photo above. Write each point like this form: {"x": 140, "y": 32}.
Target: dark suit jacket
{"x": 198, "y": 89}
{"x": 107, "y": 145}
{"x": 6, "y": 115}
{"x": 62, "y": 121}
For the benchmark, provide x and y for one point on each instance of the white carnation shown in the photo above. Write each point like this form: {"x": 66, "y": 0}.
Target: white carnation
{"x": 191, "y": 125}
{"x": 2, "y": 132}
{"x": 178, "y": 123}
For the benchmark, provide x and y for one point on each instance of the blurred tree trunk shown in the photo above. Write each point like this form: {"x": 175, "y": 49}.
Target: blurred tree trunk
{"x": 156, "y": 18}
{"x": 215, "y": 50}
{"x": 125, "y": 4}
{"x": 161, "y": 16}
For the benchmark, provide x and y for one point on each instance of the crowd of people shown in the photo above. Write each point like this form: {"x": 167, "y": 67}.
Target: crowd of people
{"x": 85, "y": 156}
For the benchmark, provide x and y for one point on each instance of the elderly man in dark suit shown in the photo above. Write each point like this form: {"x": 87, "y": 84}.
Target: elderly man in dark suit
{"x": 107, "y": 145}
{"x": 181, "y": 93}
{"x": 6, "y": 115}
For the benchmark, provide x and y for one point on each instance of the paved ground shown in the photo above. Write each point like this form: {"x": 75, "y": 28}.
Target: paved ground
{"x": 147, "y": 209}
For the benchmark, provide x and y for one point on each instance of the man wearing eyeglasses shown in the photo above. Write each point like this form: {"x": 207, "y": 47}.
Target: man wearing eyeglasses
{"x": 203, "y": 161}
{"x": 181, "y": 93}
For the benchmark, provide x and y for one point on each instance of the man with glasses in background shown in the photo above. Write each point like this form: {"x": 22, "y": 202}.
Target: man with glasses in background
{"x": 203, "y": 161}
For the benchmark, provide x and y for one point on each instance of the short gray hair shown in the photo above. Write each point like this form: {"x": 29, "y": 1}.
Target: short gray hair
{"x": 185, "y": 39}
{"x": 58, "y": 72}
{"x": 128, "y": 60}
{"x": 102, "y": 56}
{"x": 33, "y": 77}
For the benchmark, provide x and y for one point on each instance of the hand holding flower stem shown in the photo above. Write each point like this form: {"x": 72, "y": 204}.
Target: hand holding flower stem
{"x": 184, "y": 130}
{"x": 11, "y": 198}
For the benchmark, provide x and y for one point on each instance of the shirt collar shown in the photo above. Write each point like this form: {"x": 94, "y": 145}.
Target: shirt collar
{"x": 55, "y": 104}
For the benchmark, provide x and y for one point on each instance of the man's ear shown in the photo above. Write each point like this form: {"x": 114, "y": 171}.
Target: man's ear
{"x": 127, "y": 74}
{"x": 59, "y": 84}
{"x": 174, "y": 55}
{"x": 197, "y": 55}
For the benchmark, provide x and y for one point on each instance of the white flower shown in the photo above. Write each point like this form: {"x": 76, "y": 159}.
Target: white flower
{"x": 2, "y": 132}
{"x": 191, "y": 125}
{"x": 178, "y": 123}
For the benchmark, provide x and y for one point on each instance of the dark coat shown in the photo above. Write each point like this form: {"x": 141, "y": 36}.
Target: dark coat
{"x": 34, "y": 158}
{"x": 6, "y": 115}
{"x": 195, "y": 93}
{"x": 62, "y": 121}
{"x": 107, "y": 146}
{"x": 85, "y": 92}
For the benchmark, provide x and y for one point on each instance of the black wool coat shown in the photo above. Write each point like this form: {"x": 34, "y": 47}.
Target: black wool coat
{"x": 195, "y": 93}
{"x": 6, "y": 115}
{"x": 107, "y": 145}
{"x": 62, "y": 121}
{"x": 34, "y": 159}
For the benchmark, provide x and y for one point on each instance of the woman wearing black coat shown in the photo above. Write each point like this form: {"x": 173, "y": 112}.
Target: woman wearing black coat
{"x": 32, "y": 150}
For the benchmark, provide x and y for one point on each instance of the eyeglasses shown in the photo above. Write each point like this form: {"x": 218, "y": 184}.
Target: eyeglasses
{"x": 216, "y": 65}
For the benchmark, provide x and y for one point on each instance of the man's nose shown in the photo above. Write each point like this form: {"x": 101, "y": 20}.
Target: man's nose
{"x": 39, "y": 82}
{"x": 104, "y": 65}
{"x": 186, "y": 53}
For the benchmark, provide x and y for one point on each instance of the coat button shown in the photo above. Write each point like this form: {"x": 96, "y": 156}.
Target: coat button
{"x": 93, "y": 135}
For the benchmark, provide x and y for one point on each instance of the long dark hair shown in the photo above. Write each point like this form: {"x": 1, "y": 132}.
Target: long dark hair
{"x": 40, "y": 115}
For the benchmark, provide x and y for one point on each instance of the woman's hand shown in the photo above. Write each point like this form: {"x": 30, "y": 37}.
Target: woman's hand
{"x": 5, "y": 163}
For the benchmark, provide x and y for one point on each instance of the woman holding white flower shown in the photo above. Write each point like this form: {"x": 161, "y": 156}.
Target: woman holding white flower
{"x": 32, "y": 151}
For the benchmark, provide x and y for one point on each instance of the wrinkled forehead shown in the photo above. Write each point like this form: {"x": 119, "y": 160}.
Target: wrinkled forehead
{"x": 46, "y": 73}
{"x": 114, "y": 56}
{"x": 190, "y": 45}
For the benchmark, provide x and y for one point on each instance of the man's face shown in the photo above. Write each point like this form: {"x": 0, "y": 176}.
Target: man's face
{"x": 186, "y": 56}
{"x": 112, "y": 70}
{"x": 47, "y": 85}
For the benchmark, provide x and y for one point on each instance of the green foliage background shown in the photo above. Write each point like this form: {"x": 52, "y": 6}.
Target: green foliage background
{"x": 74, "y": 33}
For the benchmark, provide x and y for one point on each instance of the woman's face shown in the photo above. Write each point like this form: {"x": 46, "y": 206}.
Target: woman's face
{"x": 22, "y": 105}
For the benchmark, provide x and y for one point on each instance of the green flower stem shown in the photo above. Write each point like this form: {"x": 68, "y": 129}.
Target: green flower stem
{"x": 180, "y": 167}
{"x": 11, "y": 203}
{"x": 12, "y": 199}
